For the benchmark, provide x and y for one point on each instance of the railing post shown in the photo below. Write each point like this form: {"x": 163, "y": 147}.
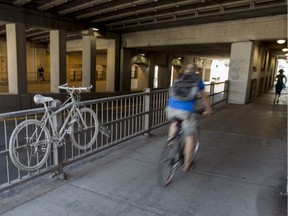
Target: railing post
{"x": 147, "y": 109}
{"x": 57, "y": 151}
{"x": 212, "y": 86}
{"x": 226, "y": 88}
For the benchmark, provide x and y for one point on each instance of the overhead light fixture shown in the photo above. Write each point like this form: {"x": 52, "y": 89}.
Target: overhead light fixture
{"x": 95, "y": 29}
{"x": 281, "y": 41}
{"x": 142, "y": 54}
{"x": 179, "y": 58}
{"x": 286, "y": 54}
{"x": 285, "y": 49}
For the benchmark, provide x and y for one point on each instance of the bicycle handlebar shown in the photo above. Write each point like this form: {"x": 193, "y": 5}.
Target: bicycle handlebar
{"x": 67, "y": 88}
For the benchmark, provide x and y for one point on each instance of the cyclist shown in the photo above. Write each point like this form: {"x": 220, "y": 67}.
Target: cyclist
{"x": 279, "y": 85}
{"x": 182, "y": 106}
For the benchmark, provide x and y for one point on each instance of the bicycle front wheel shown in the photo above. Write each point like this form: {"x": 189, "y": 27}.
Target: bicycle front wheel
{"x": 29, "y": 145}
{"x": 84, "y": 129}
{"x": 170, "y": 160}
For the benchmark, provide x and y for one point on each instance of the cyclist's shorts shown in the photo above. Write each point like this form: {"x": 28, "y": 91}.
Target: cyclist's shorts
{"x": 189, "y": 121}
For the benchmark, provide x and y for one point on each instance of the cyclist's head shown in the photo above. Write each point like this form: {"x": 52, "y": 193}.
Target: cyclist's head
{"x": 191, "y": 68}
{"x": 281, "y": 71}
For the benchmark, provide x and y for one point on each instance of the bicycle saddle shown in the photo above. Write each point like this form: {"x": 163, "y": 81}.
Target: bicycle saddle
{"x": 40, "y": 99}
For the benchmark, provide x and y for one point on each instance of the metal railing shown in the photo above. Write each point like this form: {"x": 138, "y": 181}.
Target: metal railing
{"x": 31, "y": 77}
{"x": 126, "y": 116}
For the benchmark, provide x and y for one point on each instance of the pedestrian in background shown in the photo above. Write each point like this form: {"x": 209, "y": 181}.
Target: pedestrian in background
{"x": 280, "y": 84}
{"x": 40, "y": 71}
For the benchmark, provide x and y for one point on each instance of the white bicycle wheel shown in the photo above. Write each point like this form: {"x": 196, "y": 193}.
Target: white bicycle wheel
{"x": 84, "y": 129}
{"x": 29, "y": 145}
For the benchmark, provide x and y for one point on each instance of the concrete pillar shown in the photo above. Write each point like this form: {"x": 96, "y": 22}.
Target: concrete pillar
{"x": 239, "y": 72}
{"x": 117, "y": 62}
{"x": 125, "y": 70}
{"x": 16, "y": 58}
{"x": 89, "y": 61}
{"x": 110, "y": 76}
{"x": 152, "y": 63}
{"x": 57, "y": 59}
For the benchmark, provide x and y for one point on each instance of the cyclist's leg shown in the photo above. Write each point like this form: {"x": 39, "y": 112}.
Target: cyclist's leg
{"x": 189, "y": 126}
{"x": 188, "y": 151}
{"x": 172, "y": 129}
{"x": 171, "y": 114}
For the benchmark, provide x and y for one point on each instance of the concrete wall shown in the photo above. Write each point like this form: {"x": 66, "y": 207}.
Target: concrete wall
{"x": 35, "y": 54}
{"x": 141, "y": 82}
{"x": 225, "y": 32}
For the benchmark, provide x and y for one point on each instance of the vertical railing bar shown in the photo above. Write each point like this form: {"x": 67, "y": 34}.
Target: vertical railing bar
{"x": 112, "y": 119}
{"x": 96, "y": 110}
{"x": 6, "y": 148}
{"x": 117, "y": 117}
{"x": 107, "y": 120}
{"x": 102, "y": 118}
{"x": 129, "y": 114}
{"x": 121, "y": 117}
{"x": 136, "y": 111}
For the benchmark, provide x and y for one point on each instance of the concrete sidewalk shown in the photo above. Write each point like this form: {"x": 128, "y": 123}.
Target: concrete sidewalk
{"x": 240, "y": 171}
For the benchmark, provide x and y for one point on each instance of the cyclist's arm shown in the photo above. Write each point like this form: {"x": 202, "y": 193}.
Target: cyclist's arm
{"x": 206, "y": 103}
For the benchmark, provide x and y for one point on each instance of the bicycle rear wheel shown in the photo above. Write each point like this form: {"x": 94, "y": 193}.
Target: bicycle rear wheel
{"x": 170, "y": 160}
{"x": 85, "y": 128}
{"x": 29, "y": 145}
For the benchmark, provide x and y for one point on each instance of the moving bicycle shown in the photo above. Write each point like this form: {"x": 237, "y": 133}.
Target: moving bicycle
{"x": 181, "y": 112}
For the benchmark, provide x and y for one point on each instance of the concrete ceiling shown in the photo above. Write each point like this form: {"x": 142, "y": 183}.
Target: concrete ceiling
{"x": 215, "y": 50}
{"x": 129, "y": 16}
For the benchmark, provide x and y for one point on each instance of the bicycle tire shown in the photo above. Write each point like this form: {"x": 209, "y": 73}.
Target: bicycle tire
{"x": 26, "y": 133}
{"x": 84, "y": 138}
{"x": 171, "y": 159}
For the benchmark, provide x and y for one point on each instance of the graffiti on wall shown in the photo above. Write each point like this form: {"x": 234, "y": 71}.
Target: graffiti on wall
{"x": 238, "y": 68}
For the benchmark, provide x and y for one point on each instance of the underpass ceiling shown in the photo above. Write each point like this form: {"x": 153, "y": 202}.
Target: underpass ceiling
{"x": 129, "y": 16}
{"x": 221, "y": 50}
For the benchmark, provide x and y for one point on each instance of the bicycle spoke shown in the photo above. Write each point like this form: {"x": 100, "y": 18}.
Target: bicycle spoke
{"x": 29, "y": 145}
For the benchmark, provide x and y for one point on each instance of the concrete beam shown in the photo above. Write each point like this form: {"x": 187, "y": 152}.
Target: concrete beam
{"x": 226, "y": 32}
{"x": 40, "y": 19}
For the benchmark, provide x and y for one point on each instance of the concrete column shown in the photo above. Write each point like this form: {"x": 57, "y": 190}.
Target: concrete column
{"x": 89, "y": 61}
{"x": 125, "y": 70}
{"x": 16, "y": 58}
{"x": 117, "y": 62}
{"x": 57, "y": 59}
{"x": 152, "y": 63}
{"x": 239, "y": 72}
{"x": 110, "y": 76}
